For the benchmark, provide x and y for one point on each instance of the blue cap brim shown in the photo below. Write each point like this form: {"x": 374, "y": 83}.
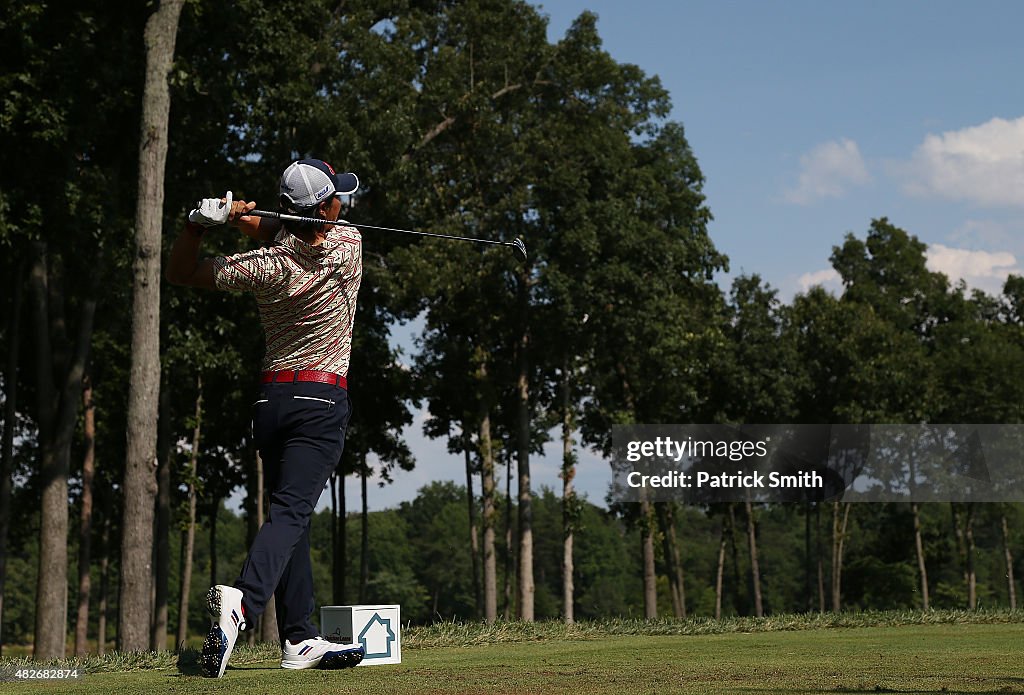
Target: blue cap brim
{"x": 346, "y": 184}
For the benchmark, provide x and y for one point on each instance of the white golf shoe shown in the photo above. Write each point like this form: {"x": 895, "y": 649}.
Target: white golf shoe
{"x": 320, "y": 653}
{"x": 225, "y": 605}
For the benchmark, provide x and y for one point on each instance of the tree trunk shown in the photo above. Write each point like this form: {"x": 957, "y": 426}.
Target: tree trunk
{"x": 487, "y": 488}
{"x": 58, "y": 411}
{"x": 569, "y": 504}
{"x": 510, "y": 565}
{"x": 961, "y": 543}
{"x": 364, "y": 538}
{"x": 85, "y": 520}
{"x": 251, "y": 506}
{"x": 189, "y": 544}
{"x": 341, "y": 568}
{"x": 214, "y": 509}
{"x": 963, "y": 523}
{"x": 755, "y": 567}
{"x": 919, "y": 548}
{"x": 673, "y": 564}
{"x": 101, "y": 618}
{"x": 650, "y": 578}
{"x": 821, "y": 557}
{"x": 117, "y": 624}
{"x": 1008, "y": 555}
{"x": 162, "y": 549}
{"x": 809, "y": 596}
{"x": 681, "y": 575}
{"x": 335, "y": 578}
{"x": 144, "y": 381}
{"x": 268, "y": 620}
{"x": 839, "y": 525}
{"x": 972, "y": 575}
{"x": 719, "y": 574}
{"x": 647, "y": 544}
{"x": 10, "y": 424}
{"x": 474, "y": 541}
{"x": 268, "y": 623}
{"x": 526, "y": 585}
{"x": 734, "y": 551}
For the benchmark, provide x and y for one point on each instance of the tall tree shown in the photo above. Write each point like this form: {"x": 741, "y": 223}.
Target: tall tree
{"x": 162, "y": 527}
{"x": 86, "y": 519}
{"x": 570, "y": 502}
{"x": 60, "y": 135}
{"x": 489, "y": 509}
{"x": 527, "y": 589}
{"x": 902, "y": 303}
{"x": 1012, "y": 316}
{"x": 673, "y": 563}
{"x": 189, "y": 531}
{"x": 1008, "y": 555}
{"x": 755, "y": 563}
{"x": 648, "y": 531}
{"x": 139, "y": 481}
{"x": 101, "y": 608}
{"x": 474, "y": 540}
{"x": 268, "y": 621}
{"x": 825, "y": 334}
{"x": 979, "y": 339}
{"x": 510, "y": 97}
{"x": 755, "y": 380}
{"x": 60, "y": 366}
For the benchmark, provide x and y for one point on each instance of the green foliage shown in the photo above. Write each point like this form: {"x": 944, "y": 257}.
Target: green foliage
{"x": 19, "y": 597}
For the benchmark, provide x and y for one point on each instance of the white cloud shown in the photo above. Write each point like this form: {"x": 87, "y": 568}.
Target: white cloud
{"x": 981, "y": 164}
{"x": 983, "y": 270}
{"x": 827, "y": 278}
{"x": 828, "y": 171}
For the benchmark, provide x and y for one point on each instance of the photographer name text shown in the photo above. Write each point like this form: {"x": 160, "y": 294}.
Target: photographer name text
{"x": 705, "y": 479}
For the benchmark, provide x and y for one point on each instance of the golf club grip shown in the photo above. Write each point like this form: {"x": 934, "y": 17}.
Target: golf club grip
{"x": 280, "y": 216}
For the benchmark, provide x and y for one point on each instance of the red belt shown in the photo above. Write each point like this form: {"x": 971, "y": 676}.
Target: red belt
{"x": 305, "y": 375}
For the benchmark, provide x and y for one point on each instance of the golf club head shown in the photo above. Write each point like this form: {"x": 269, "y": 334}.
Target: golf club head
{"x": 519, "y": 248}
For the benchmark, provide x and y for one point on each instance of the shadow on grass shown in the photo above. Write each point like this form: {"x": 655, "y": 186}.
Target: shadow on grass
{"x": 188, "y": 662}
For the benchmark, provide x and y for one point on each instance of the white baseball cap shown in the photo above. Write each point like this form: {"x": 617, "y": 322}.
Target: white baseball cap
{"x": 309, "y": 182}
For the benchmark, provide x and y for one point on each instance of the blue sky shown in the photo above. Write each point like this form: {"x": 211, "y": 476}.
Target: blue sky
{"x": 808, "y": 120}
{"x": 811, "y": 118}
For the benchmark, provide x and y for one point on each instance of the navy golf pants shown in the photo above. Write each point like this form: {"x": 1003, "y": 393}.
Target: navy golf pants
{"x": 299, "y": 430}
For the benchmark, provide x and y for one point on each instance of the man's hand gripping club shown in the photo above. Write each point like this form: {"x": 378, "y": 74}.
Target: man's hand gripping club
{"x": 210, "y": 212}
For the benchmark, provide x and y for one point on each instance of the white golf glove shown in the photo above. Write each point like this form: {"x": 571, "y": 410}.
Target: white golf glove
{"x": 211, "y": 212}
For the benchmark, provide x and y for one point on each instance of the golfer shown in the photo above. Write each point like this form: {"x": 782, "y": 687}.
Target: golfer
{"x": 305, "y": 284}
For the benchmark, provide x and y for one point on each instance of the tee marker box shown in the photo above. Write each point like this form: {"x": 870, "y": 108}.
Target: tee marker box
{"x": 377, "y": 628}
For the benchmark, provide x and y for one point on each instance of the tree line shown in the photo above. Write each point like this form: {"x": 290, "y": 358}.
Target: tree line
{"x": 419, "y": 556}
{"x": 127, "y": 407}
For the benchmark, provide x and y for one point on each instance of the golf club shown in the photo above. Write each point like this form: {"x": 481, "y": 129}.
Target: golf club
{"x": 518, "y": 247}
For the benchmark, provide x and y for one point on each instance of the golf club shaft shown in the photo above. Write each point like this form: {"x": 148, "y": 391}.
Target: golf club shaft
{"x": 316, "y": 220}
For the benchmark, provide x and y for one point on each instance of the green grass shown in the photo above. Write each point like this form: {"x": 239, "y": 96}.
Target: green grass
{"x": 878, "y": 652}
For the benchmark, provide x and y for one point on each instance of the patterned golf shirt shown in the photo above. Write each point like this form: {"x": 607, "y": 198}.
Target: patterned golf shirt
{"x": 306, "y": 296}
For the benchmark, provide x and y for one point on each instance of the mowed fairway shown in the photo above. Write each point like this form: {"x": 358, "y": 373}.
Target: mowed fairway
{"x": 918, "y": 659}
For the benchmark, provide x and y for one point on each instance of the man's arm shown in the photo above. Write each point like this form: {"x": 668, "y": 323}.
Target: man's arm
{"x": 184, "y": 266}
{"x": 262, "y": 229}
